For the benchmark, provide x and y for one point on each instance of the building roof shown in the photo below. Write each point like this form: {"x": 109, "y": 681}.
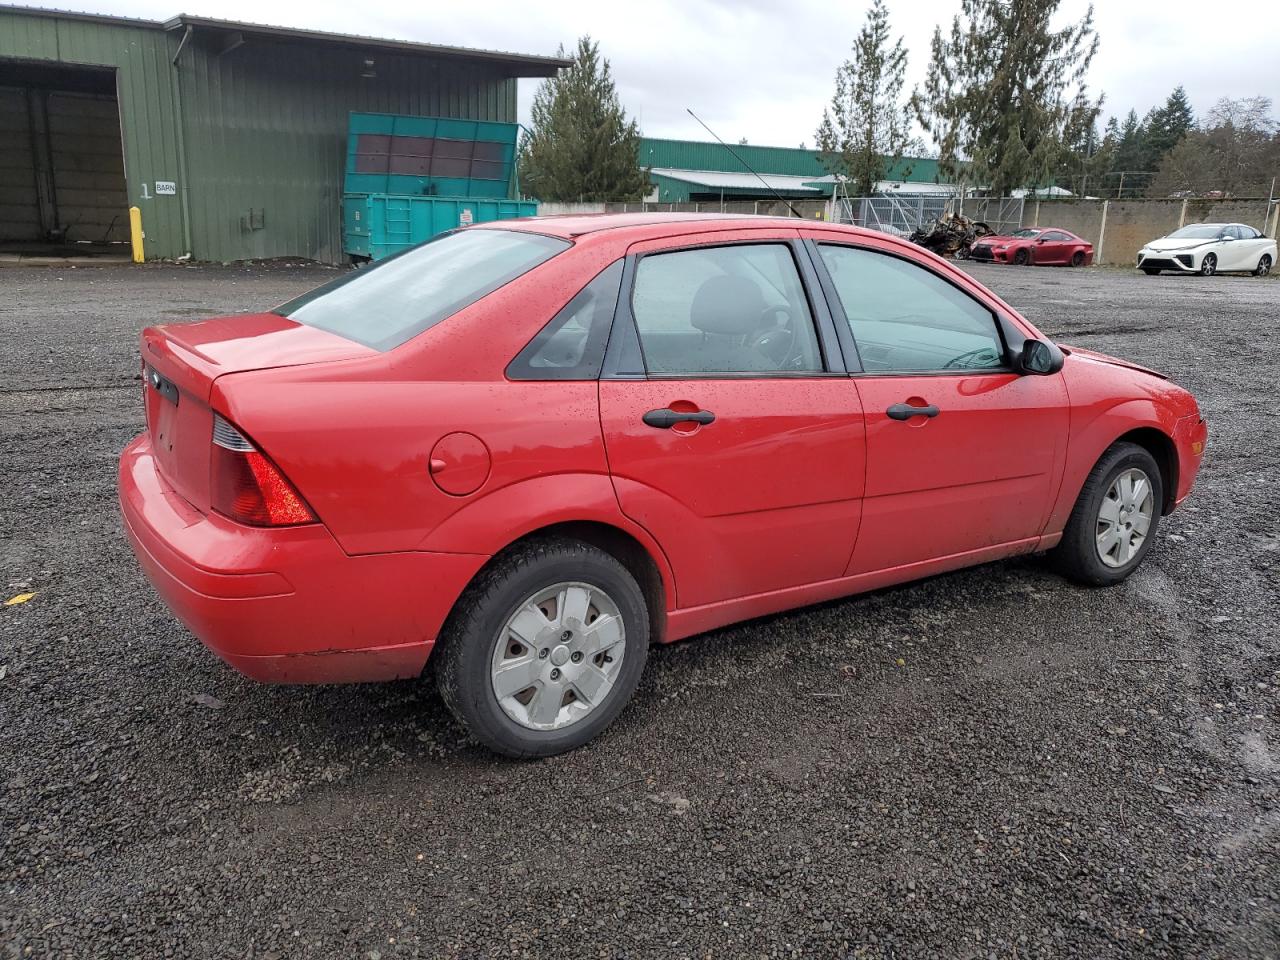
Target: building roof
{"x": 707, "y": 155}
{"x": 518, "y": 64}
{"x": 713, "y": 180}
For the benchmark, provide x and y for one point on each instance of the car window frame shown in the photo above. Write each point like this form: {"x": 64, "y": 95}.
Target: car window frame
{"x": 519, "y": 368}
{"x": 1055, "y": 236}
{"x": 625, "y": 346}
{"x": 1006, "y": 330}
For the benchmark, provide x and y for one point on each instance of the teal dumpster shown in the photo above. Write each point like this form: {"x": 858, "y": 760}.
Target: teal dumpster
{"x": 410, "y": 178}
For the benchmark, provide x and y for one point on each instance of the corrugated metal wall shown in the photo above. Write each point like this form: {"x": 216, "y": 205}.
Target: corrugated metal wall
{"x": 140, "y": 55}
{"x": 19, "y": 199}
{"x": 266, "y": 131}
{"x": 262, "y": 126}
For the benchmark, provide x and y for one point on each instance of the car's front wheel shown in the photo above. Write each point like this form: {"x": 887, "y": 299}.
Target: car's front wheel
{"x": 1263, "y": 267}
{"x": 1021, "y": 258}
{"x": 1115, "y": 518}
{"x": 1209, "y": 265}
{"x": 544, "y": 649}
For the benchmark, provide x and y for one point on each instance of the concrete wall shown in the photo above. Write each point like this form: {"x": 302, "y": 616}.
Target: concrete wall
{"x": 1131, "y": 223}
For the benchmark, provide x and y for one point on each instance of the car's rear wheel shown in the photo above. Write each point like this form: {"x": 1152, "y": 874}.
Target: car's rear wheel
{"x": 1263, "y": 267}
{"x": 1209, "y": 265}
{"x": 1021, "y": 258}
{"x": 1077, "y": 258}
{"x": 1115, "y": 518}
{"x": 545, "y": 649}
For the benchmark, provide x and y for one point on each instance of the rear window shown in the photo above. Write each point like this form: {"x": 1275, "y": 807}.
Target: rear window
{"x": 394, "y": 300}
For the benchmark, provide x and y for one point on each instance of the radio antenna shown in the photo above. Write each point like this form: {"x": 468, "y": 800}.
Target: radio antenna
{"x": 768, "y": 187}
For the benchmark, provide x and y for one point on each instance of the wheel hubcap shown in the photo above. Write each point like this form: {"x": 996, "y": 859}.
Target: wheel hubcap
{"x": 558, "y": 656}
{"x": 1124, "y": 518}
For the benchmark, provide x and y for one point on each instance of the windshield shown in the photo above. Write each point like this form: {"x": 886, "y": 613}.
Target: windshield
{"x": 1025, "y": 234}
{"x": 394, "y": 300}
{"x": 1200, "y": 231}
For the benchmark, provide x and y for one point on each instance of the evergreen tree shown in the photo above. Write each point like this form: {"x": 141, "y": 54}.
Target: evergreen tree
{"x": 1004, "y": 87}
{"x": 1168, "y": 124}
{"x": 867, "y": 129}
{"x": 582, "y": 146}
{"x": 1131, "y": 156}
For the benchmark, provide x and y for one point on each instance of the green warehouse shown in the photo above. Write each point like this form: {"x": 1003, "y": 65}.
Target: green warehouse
{"x": 229, "y": 137}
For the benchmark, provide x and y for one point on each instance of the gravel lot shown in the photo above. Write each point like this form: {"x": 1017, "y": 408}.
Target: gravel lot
{"x": 988, "y": 764}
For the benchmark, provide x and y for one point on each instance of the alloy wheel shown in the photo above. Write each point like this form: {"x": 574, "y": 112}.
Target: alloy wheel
{"x": 558, "y": 656}
{"x": 1264, "y": 267}
{"x": 1209, "y": 265}
{"x": 1124, "y": 517}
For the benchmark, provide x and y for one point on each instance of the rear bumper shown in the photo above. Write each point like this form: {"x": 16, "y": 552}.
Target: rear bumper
{"x": 286, "y": 605}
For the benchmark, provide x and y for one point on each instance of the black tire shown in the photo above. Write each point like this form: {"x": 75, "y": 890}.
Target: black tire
{"x": 1150, "y": 271}
{"x": 463, "y": 661}
{"x": 1209, "y": 265}
{"x": 1263, "y": 267}
{"x": 1021, "y": 258}
{"x": 1077, "y": 258}
{"x": 1076, "y": 556}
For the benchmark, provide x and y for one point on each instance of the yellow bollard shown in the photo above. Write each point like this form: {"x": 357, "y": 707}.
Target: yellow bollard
{"x": 135, "y": 233}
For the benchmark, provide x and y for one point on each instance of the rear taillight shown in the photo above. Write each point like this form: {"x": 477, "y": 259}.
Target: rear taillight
{"x": 247, "y": 487}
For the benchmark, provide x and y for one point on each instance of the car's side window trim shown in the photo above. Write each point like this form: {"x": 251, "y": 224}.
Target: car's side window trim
{"x": 1005, "y": 329}
{"x": 624, "y": 337}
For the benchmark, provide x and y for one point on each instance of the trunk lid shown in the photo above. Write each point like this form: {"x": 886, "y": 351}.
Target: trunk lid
{"x": 181, "y": 363}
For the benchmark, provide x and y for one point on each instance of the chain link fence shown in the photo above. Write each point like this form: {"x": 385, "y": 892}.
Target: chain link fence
{"x": 903, "y": 216}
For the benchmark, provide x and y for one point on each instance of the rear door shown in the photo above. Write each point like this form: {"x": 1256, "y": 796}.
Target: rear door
{"x": 733, "y": 434}
{"x": 962, "y": 453}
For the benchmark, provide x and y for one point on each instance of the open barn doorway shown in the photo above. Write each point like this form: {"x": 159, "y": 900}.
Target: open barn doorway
{"x": 62, "y": 185}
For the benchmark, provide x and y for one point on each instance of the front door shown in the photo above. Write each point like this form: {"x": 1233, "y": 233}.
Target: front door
{"x": 962, "y": 454}
{"x": 1052, "y": 247}
{"x": 729, "y": 437}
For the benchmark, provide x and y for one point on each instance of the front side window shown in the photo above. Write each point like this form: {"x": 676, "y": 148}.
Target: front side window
{"x": 1056, "y": 235}
{"x": 394, "y": 300}
{"x": 731, "y": 309}
{"x": 571, "y": 345}
{"x": 906, "y": 319}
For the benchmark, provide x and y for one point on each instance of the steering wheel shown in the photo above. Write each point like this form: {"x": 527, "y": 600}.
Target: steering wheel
{"x": 963, "y": 361}
{"x": 776, "y": 340}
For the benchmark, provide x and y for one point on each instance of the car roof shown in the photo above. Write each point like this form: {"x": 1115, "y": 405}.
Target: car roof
{"x": 641, "y": 225}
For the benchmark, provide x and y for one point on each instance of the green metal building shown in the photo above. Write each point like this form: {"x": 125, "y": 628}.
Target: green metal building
{"x": 230, "y": 137}
{"x": 684, "y": 171}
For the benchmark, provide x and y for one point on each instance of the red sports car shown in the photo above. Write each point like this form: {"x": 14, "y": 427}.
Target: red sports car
{"x": 1043, "y": 246}
{"x": 529, "y": 449}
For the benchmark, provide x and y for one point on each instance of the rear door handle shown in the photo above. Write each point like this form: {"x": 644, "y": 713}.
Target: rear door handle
{"x": 667, "y": 418}
{"x": 904, "y": 411}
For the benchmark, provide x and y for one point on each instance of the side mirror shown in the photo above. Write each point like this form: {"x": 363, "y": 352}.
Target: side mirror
{"x": 1039, "y": 358}
{"x": 1226, "y": 238}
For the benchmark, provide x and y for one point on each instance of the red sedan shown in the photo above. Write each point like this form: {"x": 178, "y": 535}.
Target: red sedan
{"x": 530, "y": 449}
{"x": 1048, "y": 246}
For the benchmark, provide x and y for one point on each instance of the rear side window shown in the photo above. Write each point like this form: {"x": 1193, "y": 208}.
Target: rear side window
{"x": 732, "y": 309}
{"x": 394, "y": 300}
{"x": 571, "y": 346}
{"x": 906, "y": 319}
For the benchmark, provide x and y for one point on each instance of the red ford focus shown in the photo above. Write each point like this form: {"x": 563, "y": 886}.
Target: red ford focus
{"x": 530, "y": 449}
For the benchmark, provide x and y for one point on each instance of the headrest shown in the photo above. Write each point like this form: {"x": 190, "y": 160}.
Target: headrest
{"x": 726, "y": 304}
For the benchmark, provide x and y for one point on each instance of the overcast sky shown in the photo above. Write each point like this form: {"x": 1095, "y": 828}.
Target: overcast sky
{"x": 764, "y": 70}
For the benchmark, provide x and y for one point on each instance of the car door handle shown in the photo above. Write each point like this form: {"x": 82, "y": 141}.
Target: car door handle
{"x": 904, "y": 411}
{"x": 667, "y": 418}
